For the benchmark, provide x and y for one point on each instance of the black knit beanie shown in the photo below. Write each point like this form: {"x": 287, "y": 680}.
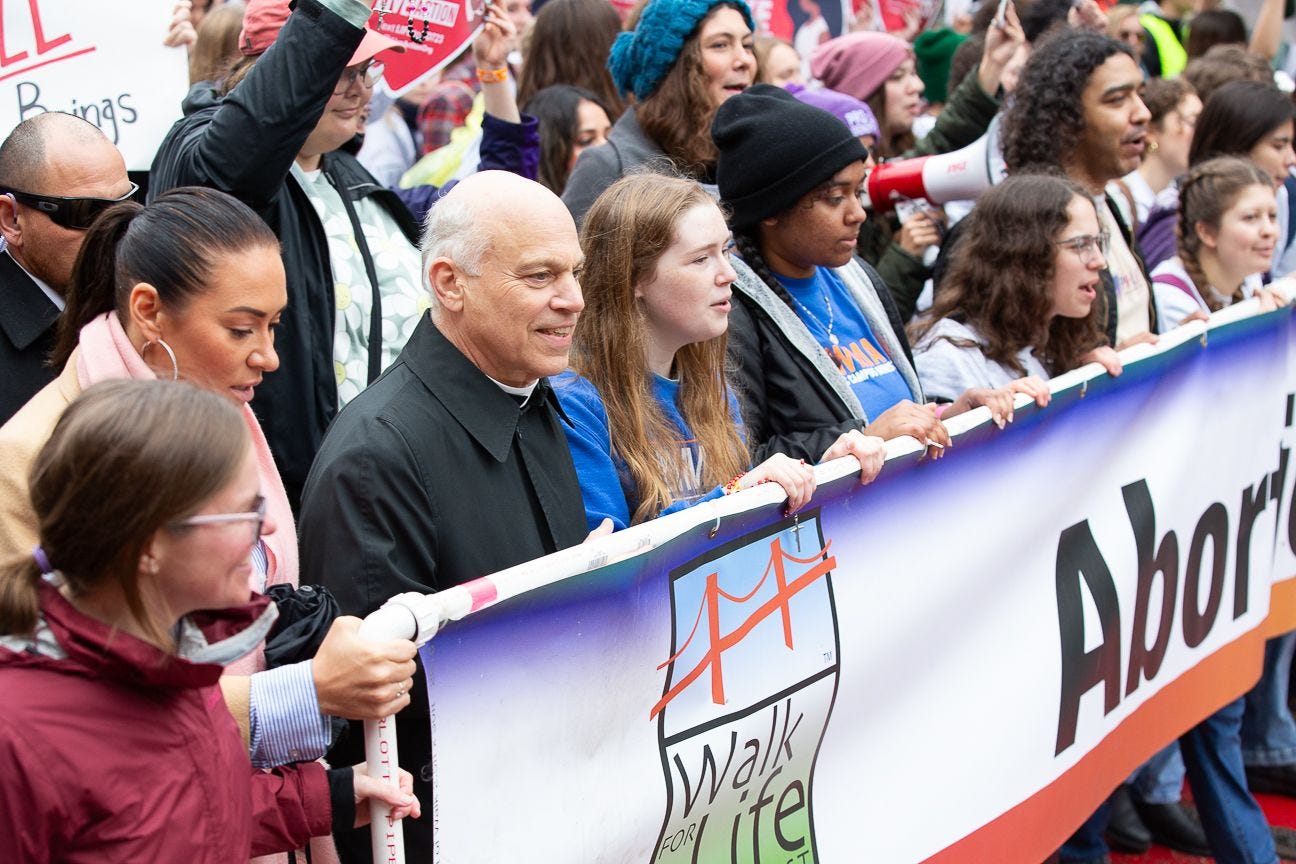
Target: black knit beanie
{"x": 774, "y": 149}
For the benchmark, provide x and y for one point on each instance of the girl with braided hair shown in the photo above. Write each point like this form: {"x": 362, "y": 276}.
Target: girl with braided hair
{"x": 1227, "y": 228}
{"x": 815, "y": 338}
{"x": 653, "y": 424}
{"x": 1248, "y": 119}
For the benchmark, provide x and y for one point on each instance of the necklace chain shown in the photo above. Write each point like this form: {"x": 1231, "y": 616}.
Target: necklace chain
{"x": 832, "y": 337}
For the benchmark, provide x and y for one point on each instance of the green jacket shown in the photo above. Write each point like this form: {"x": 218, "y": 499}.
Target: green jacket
{"x": 966, "y": 117}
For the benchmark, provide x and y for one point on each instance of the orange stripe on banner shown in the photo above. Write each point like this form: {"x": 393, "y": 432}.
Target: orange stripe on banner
{"x": 1282, "y": 609}
{"x": 1034, "y": 829}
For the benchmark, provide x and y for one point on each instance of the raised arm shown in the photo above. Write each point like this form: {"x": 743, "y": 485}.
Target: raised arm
{"x": 246, "y": 143}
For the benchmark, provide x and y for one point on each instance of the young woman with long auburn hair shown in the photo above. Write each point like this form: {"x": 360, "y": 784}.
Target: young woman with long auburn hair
{"x": 655, "y": 426}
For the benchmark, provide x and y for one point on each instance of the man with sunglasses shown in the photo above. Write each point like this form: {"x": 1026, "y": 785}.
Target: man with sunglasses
{"x": 57, "y": 173}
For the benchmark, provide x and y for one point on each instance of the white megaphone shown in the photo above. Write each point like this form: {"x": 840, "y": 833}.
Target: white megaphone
{"x": 958, "y": 176}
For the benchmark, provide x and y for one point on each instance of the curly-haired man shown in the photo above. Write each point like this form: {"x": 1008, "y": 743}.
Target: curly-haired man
{"x": 1077, "y": 111}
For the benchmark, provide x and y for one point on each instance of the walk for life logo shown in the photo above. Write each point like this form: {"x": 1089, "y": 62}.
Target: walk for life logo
{"x": 751, "y": 679}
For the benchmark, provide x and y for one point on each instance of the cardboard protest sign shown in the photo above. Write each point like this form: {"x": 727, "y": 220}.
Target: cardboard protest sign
{"x": 102, "y": 60}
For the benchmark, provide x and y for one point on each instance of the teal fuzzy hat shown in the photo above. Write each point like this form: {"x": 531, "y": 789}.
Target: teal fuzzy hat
{"x": 641, "y": 58}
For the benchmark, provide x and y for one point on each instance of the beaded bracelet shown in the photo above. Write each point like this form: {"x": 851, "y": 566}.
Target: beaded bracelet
{"x": 493, "y": 76}
{"x": 732, "y": 486}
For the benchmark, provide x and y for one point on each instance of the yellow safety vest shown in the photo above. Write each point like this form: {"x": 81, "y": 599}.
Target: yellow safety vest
{"x": 1170, "y": 51}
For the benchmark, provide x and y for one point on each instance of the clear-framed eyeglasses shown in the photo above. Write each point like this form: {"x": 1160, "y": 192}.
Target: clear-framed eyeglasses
{"x": 1088, "y": 247}
{"x": 367, "y": 74}
{"x": 255, "y": 516}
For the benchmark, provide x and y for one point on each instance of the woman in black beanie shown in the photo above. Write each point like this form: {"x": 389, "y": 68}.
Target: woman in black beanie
{"x": 817, "y": 345}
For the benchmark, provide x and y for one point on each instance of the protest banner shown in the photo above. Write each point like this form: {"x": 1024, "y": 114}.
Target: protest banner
{"x": 434, "y": 32}
{"x": 956, "y": 663}
{"x": 102, "y": 60}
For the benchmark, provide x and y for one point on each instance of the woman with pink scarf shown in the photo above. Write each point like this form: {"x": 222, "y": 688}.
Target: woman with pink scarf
{"x": 191, "y": 287}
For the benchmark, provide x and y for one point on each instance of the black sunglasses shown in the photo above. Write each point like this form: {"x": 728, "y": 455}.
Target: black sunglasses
{"x": 77, "y": 214}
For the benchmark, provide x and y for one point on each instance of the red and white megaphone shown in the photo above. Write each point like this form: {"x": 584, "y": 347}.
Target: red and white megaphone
{"x": 958, "y": 176}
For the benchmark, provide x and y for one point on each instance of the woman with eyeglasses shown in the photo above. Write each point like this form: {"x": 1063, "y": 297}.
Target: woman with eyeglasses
{"x": 274, "y": 134}
{"x": 817, "y": 344}
{"x": 1020, "y": 301}
{"x": 191, "y": 287}
{"x": 114, "y": 630}
{"x": 1228, "y": 225}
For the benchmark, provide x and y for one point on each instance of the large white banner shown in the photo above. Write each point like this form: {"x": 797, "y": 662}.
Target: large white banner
{"x": 955, "y": 663}
{"x": 102, "y": 60}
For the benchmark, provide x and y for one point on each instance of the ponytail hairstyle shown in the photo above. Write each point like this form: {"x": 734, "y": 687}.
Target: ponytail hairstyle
{"x": 624, "y": 235}
{"x": 1000, "y": 281}
{"x": 171, "y": 244}
{"x": 1205, "y": 195}
{"x": 125, "y": 460}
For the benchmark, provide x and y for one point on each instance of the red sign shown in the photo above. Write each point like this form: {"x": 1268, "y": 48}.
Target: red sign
{"x": 441, "y": 30}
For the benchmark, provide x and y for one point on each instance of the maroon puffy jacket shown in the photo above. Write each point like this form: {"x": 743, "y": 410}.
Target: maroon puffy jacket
{"x": 111, "y": 750}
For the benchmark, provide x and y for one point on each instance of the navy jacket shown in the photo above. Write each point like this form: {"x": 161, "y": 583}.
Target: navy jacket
{"x": 27, "y": 320}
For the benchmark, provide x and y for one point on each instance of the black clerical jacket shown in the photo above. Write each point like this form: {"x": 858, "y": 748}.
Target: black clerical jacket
{"x": 432, "y": 476}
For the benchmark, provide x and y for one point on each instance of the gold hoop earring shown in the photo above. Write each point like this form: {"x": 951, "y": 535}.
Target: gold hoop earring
{"x": 175, "y": 367}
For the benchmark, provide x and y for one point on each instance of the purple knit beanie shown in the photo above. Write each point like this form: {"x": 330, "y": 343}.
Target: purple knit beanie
{"x": 857, "y": 64}
{"x": 857, "y": 115}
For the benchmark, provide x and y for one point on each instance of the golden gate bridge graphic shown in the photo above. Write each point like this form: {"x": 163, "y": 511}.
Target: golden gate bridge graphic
{"x": 822, "y": 563}
{"x": 751, "y": 678}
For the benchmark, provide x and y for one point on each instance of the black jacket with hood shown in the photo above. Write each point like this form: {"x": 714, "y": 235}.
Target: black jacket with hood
{"x": 245, "y": 144}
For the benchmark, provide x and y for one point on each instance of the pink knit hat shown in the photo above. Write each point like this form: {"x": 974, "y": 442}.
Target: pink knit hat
{"x": 858, "y": 63}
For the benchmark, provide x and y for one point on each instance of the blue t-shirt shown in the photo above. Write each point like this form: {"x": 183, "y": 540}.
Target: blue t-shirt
{"x": 857, "y": 353}
{"x": 605, "y": 482}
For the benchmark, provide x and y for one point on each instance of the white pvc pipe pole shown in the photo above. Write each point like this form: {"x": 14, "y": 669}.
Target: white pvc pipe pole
{"x": 387, "y": 840}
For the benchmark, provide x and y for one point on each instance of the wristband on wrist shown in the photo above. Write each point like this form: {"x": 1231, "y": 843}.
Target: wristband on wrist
{"x": 493, "y": 76}
{"x": 940, "y": 409}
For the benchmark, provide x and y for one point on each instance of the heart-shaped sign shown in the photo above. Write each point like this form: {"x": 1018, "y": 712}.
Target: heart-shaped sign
{"x": 433, "y": 32}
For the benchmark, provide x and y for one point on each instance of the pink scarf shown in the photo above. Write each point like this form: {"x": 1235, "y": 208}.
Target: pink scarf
{"x": 104, "y": 354}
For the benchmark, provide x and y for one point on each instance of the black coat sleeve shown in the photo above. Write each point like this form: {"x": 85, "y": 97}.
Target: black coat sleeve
{"x": 252, "y": 137}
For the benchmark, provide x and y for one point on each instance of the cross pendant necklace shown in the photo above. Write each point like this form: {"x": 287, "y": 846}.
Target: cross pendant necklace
{"x": 832, "y": 337}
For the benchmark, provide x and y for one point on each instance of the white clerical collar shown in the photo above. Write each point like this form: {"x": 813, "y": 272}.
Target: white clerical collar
{"x": 523, "y": 393}
{"x": 54, "y": 297}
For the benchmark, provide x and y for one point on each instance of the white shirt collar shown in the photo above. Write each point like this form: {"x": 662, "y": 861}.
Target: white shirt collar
{"x": 54, "y": 297}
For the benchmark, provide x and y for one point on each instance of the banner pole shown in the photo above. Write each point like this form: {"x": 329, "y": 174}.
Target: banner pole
{"x": 395, "y": 620}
